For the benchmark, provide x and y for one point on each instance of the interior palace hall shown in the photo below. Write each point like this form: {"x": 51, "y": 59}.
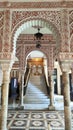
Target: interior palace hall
{"x": 36, "y": 64}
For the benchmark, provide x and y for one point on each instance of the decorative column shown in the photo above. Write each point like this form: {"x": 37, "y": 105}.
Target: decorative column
{"x": 5, "y": 90}
{"x": 22, "y": 86}
{"x": 66, "y": 91}
{"x": 19, "y": 81}
{"x": 51, "y": 83}
{"x": 21, "y": 91}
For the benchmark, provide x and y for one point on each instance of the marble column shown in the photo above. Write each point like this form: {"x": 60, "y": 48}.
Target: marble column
{"x": 4, "y": 107}
{"x": 22, "y": 86}
{"x": 21, "y": 91}
{"x": 51, "y": 82}
{"x": 67, "y": 110}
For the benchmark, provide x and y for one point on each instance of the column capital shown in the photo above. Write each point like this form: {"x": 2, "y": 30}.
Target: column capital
{"x": 65, "y": 66}
{"x": 6, "y": 66}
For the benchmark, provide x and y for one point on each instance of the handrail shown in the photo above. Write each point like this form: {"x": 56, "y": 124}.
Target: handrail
{"x": 26, "y": 82}
{"x": 27, "y": 78}
{"x": 47, "y": 84}
{"x": 25, "y": 75}
{"x": 46, "y": 78}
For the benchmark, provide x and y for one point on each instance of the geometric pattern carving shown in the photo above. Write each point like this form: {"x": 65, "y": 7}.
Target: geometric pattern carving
{"x": 71, "y": 22}
{"x": 58, "y": 19}
{"x": 64, "y": 31}
{"x": 71, "y": 29}
{"x": 71, "y": 44}
{"x": 18, "y": 53}
{"x": 1, "y": 40}
{"x": 23, "y": 51}
{"x": 6, "y": 37}
{"x": 1, "y": 29}
{"x": 29, "y": 48}
{"x": 47, "y": 50}
{"x": 26, "y": 44}
{"x": 48, "y": 4}
{"x": 51, "y": 58}
{"x": 51, "y": 16}
{"x": 21, "y": 18}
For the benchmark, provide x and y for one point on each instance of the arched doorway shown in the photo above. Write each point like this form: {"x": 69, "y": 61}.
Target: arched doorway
{"x": 29, "y": 45}
{"x": 37, "y": 59}
{"x": 37, "y": 91}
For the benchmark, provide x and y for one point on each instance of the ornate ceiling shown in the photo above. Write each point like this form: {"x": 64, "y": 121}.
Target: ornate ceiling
{"x": 21, "y": 15}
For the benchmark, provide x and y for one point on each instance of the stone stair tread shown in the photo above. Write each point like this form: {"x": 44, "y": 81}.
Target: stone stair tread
{"x": 36, "y": 93}
{"x": 36, "y": 98}
{"x": 37, "y": 102}
{"x": 35, "y": 106}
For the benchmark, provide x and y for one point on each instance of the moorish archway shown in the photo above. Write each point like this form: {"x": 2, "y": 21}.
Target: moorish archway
{"x": 38, "y": 22}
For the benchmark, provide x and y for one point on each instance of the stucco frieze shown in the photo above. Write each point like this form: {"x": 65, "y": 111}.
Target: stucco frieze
{"x": 51, "y": 16}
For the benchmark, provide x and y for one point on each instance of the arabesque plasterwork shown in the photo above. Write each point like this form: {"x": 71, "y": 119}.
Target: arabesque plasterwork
{"x": 58, "y": 19}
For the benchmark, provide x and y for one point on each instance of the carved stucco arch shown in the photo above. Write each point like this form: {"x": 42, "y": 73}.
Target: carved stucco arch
{"x": 41, "y": 50}
{"x": 23, "y": 25}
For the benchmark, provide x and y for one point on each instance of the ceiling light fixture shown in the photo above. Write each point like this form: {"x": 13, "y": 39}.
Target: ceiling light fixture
{"x": 38, "y": 37}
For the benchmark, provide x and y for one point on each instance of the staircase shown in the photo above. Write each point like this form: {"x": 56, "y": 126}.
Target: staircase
{"x": 36, "y": 94}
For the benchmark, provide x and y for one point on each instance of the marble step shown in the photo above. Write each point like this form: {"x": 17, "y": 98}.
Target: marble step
{"x": 36, "y": 91}
{"x": 35, "y": 106}
{"x": 37, "y": 95}
{"x": 33, "y": 101}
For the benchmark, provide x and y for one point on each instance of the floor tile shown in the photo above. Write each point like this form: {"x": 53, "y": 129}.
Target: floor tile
{"x": 36, "y": 120}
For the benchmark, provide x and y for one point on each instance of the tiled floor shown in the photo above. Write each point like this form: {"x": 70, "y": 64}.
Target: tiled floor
{"x": 36, "y": 120}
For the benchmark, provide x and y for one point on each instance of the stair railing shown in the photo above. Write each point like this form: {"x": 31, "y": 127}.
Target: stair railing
{"x": 26, "y": 80}
{"x": 47, "y": 82}
{"x": 26, "y": 74}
